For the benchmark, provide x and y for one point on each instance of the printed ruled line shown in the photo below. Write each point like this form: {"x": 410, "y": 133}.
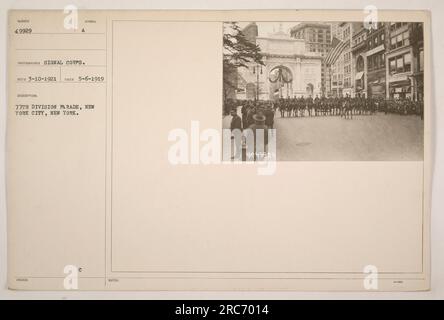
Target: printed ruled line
{"x": 231, "y": 278}
{"x": 58, "y": 49}
{"x": 69, "y": 33}
{"x": 60, "y": 82}
{"x": 62, "y": 66}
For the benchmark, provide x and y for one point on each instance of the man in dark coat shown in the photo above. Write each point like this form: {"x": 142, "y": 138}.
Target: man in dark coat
{"x": 269, "y": 117}
{"x": 260, "y": 145}
{"x": 250, "y": 113}
{"x": 236, "y": 121}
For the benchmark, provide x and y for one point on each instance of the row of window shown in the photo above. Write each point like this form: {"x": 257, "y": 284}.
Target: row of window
{"x": 318, "y": 48}
{"x": 359, "y": 39}
{"x": 397, "y": 41}
{"x": 313, "y": 35}
{"x": 401, "y": 63}
{"x": 398, "y": 64}
{"x": 338, "y": 76}
{"x": 400, "y": 40}
{"x": 375, "y": 41}
{"x": 376, "y": 61}
{"x": 397, "y": 25}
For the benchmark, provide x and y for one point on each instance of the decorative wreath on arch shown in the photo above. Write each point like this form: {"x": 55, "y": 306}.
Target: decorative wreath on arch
{"x": 280, "y": 74}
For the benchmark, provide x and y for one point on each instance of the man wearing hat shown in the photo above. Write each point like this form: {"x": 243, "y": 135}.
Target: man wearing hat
{"x": 236, "y": 123}
{"x": 260, "y": 145}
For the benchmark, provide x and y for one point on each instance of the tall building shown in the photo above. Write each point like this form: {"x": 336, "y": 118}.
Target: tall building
{"x": 339, "y": 59}
{"x": 336, "y": 31}
{"x": 317, "y": 37}
{"x": 405, "y": 61}
{"x": 418, "y": 60}
{"x": 375, "y": 60}
{"x": 359, "y": 57}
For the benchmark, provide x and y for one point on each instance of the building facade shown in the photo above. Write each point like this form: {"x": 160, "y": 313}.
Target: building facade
{"x": 418, "y": 60}
{"x": 405, "y": 61}
{"x": 376, "y": 64}
{"x": 359, "y": 57}
{"x": 341, "y": 68}
{"x": 386, "y": 61}
{"x": 317, "y": 37}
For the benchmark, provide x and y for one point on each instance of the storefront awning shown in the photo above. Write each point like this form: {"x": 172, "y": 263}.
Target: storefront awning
{"x": 359, "y": 75}
{"x": 401, "y": 83}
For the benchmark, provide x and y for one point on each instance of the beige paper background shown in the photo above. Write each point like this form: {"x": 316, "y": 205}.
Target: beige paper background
{"x": 212, "y": 218}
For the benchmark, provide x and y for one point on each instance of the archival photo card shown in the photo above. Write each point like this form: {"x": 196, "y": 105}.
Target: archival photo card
{"x": 331, "y": 91}
{"x": 219, "y": 150}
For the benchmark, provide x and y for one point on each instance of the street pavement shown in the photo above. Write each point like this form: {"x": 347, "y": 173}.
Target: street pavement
{"x": 377, "y": 137}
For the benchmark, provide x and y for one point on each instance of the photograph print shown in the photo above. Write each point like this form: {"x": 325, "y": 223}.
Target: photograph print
{"x": 338, "y": 91}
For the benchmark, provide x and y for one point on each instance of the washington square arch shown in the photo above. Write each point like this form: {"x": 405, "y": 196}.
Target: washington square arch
{"x": 289, "y": 69}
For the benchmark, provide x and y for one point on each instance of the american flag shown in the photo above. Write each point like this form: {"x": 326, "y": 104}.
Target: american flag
{"x": 337, "y": 47}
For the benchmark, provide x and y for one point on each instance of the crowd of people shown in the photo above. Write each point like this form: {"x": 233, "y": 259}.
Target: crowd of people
{"x": 344, "y": 107}
{"x": 256, "y": 116}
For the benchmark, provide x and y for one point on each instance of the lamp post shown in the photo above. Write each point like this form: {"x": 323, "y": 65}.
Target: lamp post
{"x": 256, "y": 70}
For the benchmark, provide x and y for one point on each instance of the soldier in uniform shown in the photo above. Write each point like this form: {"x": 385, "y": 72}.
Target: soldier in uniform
{"x": 281, "y": 108}
{"x": 294, "y": 106}
{"x": 316, "y": 106}
{"x": 310, "y": 106}
{"x": 287, "y": 107}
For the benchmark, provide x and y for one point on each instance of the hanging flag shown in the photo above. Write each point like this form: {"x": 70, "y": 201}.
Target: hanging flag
{"x": 337, "y": 47}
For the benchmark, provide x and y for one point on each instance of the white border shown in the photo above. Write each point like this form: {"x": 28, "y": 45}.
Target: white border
{"x": 437, "y": 236}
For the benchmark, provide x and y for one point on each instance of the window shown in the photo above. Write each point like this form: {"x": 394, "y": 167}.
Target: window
{"x": 393, "y": 42}
{"x": 400, "y": 40}
{"x": 392, "y": 65}
{"x": 421, "y": 60}
{"x": 396, "y": 25}
{"x": 401, "y": 63}
{"x": 407, "y": 62}
{"x": 377, "y": 61}
{"x": 405, "y": 36}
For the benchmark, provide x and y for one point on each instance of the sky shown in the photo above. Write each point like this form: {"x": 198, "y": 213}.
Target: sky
{"x": 266, "y": 28}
